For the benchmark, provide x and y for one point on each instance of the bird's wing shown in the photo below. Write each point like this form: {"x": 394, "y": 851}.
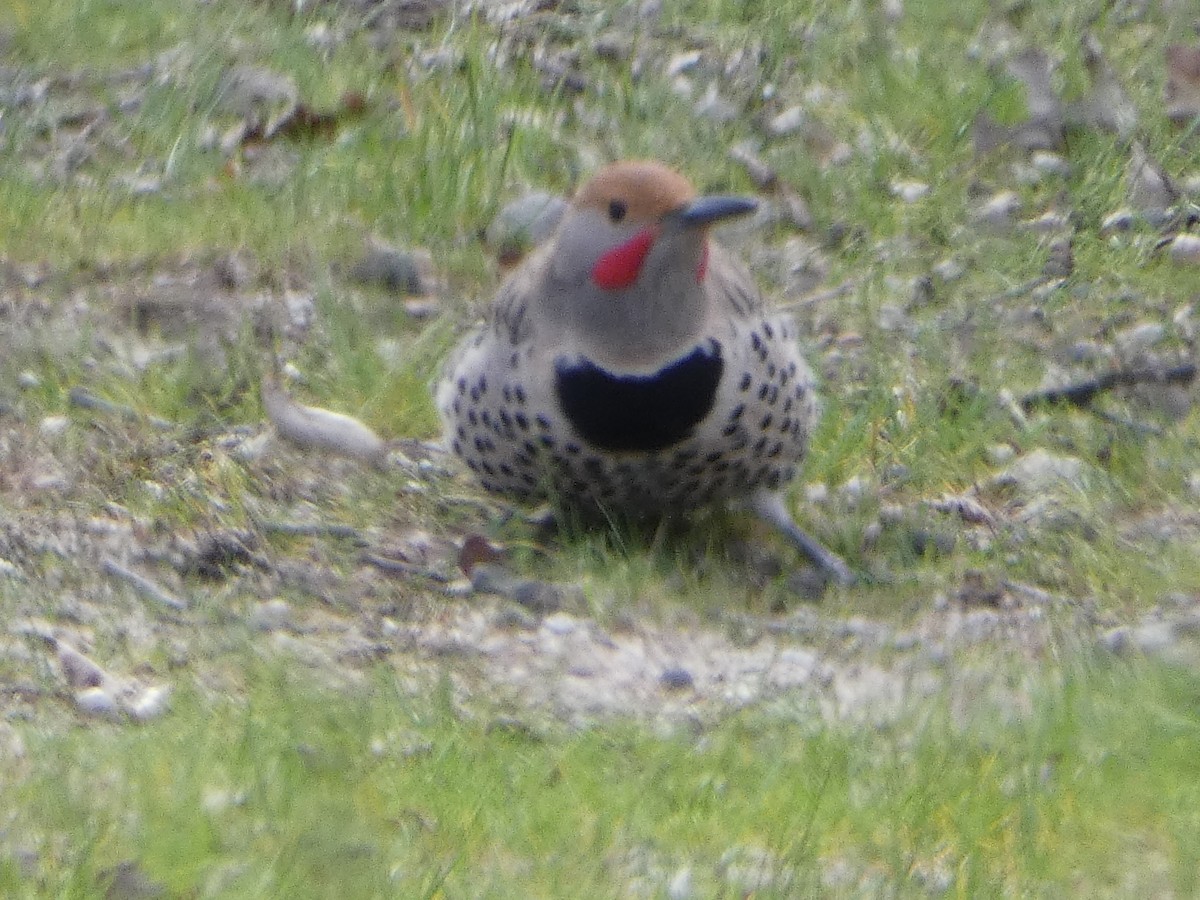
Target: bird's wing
{"x": 732, "y": 283}
{"x": 512, "y": 321}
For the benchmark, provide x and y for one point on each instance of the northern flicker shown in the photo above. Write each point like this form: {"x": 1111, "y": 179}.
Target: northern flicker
{"x": 630, "y": 366}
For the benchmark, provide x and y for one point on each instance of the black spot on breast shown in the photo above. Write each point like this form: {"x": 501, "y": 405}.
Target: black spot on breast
{"x": 636, "y": 413}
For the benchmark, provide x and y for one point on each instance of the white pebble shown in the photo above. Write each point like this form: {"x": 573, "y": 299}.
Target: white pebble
{"x": 149, "y": 703}
{"x": 1185, "y": 248}
{"x": 1050, "y": 163}
{"x": 787, "y": 122}
{"x": 1193, "y": 483}
{"x": 998, "y": 210}
{"x": 29, "y": 380}
{"x": 910, "y": 191}
{"x": 998, "y": 454}
{"x": 817, "y": 492}
{"x": 854, "y": 488}
{"x": 560, "y": 624}
{"x": 683, "y": 62}
{"x": 680, "y": 886}
{"x": 271, "y": 615}
{"x": 53, "y": 426}
{"x": 1140, "y": 338}
{"x": 96, "y": 701}
{"x": 1121, "y": 220}
{"x": 949, "y": 269}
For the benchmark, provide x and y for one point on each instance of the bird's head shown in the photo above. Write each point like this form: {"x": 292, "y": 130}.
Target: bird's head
{"x": 639, "y": 224}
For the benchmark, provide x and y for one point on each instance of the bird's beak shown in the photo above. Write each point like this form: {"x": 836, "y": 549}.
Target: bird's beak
{"x": 706, "y": 210}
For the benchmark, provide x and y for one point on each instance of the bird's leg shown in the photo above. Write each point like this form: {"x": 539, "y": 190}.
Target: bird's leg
{"x": 769, "y": 507}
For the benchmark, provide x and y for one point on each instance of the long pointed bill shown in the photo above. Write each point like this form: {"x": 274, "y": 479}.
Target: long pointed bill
{"x": 706, "y": 210}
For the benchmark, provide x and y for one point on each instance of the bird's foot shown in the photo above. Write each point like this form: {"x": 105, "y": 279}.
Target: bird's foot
{"x": 770, "y": 508}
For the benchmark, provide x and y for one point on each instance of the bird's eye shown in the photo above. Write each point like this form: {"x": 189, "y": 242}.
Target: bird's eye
{"x": 616, "y": 210}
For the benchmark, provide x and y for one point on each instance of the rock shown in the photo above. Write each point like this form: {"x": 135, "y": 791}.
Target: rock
{"x": 998, "y": 211}
{"x": 148, "y": 703}
{"x": 949, "y": 270}
{"x": 1185, "y": 249}
{"x": 397, "y": 269}
{"x": 680, "y": 886}
{"x": 1137, "y": 339}
{"x": 1042, "y": 471}
{"x": 522, "y": 224}
{"x": 683, "y": 62}
{"x": 910, "y": 191}
{"x": 1050, "y": 163}
{"x": 998, "y": 454}
{"x": 787, "y": 122}
{"x": 714, "y": 107}
{"x": 676, "y": 678}
{"x": 79, "y": 670}
{"x": 53, "y": 426}
{"x": 1121, "y": 220}
{"x": 98, "y": 702}
{"x": 761, "y": 174}
{"x": 271, "y": 615}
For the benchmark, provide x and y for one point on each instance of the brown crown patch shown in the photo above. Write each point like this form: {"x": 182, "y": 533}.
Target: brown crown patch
{"x": 648, "y": 190}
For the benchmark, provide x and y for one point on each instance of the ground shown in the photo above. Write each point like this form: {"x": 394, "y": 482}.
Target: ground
{"x": 249, "y": 647}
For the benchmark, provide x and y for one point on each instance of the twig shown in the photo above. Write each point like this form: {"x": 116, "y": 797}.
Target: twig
{"x": 816, "y": 299}
{"x": 1082, "y": 393}
{"x": 84, "y": 399}
{"x": 142, "y": 585}
{"x": 399, "y": 567}
{"x": 313, "y": 529}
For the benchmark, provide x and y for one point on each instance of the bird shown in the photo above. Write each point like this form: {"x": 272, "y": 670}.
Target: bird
{"x": 630, "y": 365}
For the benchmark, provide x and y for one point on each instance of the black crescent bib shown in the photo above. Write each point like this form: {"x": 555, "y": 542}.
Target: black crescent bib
{"x": 639, "y": 413}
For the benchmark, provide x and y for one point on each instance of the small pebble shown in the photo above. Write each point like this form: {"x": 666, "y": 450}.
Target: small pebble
{"x": 680, "y": 886}
{"x": 998, "y": 211}
{"x": 682, "y": 62}
{"x": 560, "y": 624}
{"x": 80, "y": 671}
{"x": 910, "y": 191}
{"x": 1139, "y": 338}
{"x": 149, "y": 703}
{"x": 29, "y": 380}
{"x": 787, "y": 122}
{"x": 1050, "y": 163}
{"x": 271, "y": 615}
{"x": 998, "y": 454}
{"x": 96, "y": 701}
{"x": 1185, "y": 249}
{"x": 676, "y": 678}
{"x": 1193, "y": 483}
{"x": 854, "y": 489}
{"x": 523, "y": 224}
{"x": 714, "y": 107}
{"x": 949, "y": 269}
{"x": 53, "y": 426}
{"x": 1121, "y": 220}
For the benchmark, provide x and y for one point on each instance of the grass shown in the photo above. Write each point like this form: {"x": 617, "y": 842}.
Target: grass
{"x": 287, "y": 792}
{"x": 264, "y": 781}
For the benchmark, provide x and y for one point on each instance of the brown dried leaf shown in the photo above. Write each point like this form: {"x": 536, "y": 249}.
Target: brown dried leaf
{"x": 477, "y": 549}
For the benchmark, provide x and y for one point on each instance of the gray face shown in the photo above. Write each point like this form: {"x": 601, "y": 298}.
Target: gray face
{"x": 642, "y": 325}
